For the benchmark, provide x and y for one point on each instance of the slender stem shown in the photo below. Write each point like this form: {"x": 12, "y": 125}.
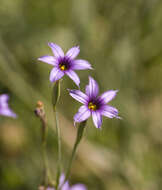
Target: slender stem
{"x": 44, "y": 163}
{"x": 77, "y": 141}
{"x": 40, "y": 112}
{"x": 46, "y": 172}
{"x": 71, "y": 160}
{"x": 55, "y": 99}
{"x": 59, "y": 148}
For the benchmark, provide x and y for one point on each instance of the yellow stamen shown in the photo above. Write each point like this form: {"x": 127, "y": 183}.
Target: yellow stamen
{"x": 92, "y": 106}
{"x": 63, "y": 67}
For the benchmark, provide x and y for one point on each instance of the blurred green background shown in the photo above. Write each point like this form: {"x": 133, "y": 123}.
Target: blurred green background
{"x": 123, "y": 42}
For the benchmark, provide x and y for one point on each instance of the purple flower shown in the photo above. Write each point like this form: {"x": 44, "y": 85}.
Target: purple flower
{"x": 93, "y": 104}
{"x": 4, "y": 109}
{"x": 65, "y": 64}
{"x": 66, "y": 185}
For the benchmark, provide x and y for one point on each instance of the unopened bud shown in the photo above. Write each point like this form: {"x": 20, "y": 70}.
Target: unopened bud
{"x": 39, "y": 104}
{"x": 39, "y": 111}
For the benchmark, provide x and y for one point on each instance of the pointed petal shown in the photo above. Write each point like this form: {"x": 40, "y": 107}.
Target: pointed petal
{"x": 48, "y": 59}
{"x": 56, "y": 74}
{"x": 73, "y": 76}
{"x": 78, "y": 187}
{"x": 73, "y": 52}
{"x": 108, "y": 95}
{"x": 97, "y": 119}
{"x": 79, "y": 96}
{"x": 57, "y": 51}
{"x": 80, "y": 64}
{"x": 109, "y": 111}
{"x": 61, "y": 180}
{"x": 82, "y": 114}
{"x": 65, "y": 186}
{"x": 4, "y": 100}
{"x": 4, "y": 109}
{"x": 92, "y": 88}
{"x": 7, "y": 112}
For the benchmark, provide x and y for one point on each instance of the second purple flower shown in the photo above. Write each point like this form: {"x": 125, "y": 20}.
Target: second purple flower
{"x": 65, "y": 64}
{"x": 93, "y": 104}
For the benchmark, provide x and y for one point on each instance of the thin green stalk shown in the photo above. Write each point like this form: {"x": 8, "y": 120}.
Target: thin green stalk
{"x": 55, "y": 99}
{"x": 47, "y": 177}
{"x": 77, "y": 141}
{"x": 39, "y": 111}
{"x": 59, "y": 149}
{"x": 45, "y": 180}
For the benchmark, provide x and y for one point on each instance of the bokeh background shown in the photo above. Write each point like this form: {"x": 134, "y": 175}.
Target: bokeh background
{"x": 123, "y": 42}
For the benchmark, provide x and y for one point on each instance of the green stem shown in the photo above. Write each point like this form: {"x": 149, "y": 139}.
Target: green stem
{"x": 55, "y": 99}
{"x": 59, "y": 149}
{"x": 40, "y": 112}
{"x": 46, "y": 173}
{"x": 77, "y": 141}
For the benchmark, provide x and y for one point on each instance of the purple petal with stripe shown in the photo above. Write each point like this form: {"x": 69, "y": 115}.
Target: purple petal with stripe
{"x": 73, "y": 52}
{"x": 109, "y": 111}
{"x": 79, "y": 96}
{"x": 80, "y": 64}
{"x": 92, "y": 88}
{"x": 82, "y": 114}
{"x": 56, "y": 74}
{"x": 57, "y": 50}
{"x": 48, "y": 59}
{"x": 73, "y": 76}
{"x": 97, "y": 119}
{"x": 108, "y": 95}
{"x": 78, "y": 187}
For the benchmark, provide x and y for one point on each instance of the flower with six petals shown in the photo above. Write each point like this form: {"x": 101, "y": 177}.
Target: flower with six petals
{"x": 93, "y": 104}
{"x": 65, "y": 64}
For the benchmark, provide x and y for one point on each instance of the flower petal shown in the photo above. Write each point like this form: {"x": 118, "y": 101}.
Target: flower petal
{"x": 97, "y": 119}
{"x": 110, "y": 112}
{"x": 79, "y": 96}
{"x": 7, "y": 112}
{"x": 92, "y": 88}
{"x": 4, "y": 109}
{"x": 64, "y": 186}
{"x": 80, "y": 64}
{"x": 4, "y": 100}
{"x": 56, "y": 74}
{"x": 82, "y": 114}
{"x": 73, "y": 52}
{"x": 57, "y": 51}
{"x": 61, "y": 180}
{"x": 78, "y": 187}
{"x": 73, "y": 76}
{"x": 108, "y": 95}
{"x": 48, "y": 59}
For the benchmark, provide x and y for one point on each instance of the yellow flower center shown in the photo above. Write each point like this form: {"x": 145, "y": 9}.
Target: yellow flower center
{"x": 62, "y": 67}
{"x": 92, "y": 106}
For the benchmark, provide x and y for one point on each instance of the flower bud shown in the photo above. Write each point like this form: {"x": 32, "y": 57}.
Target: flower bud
{"x": 39, "y": 111}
